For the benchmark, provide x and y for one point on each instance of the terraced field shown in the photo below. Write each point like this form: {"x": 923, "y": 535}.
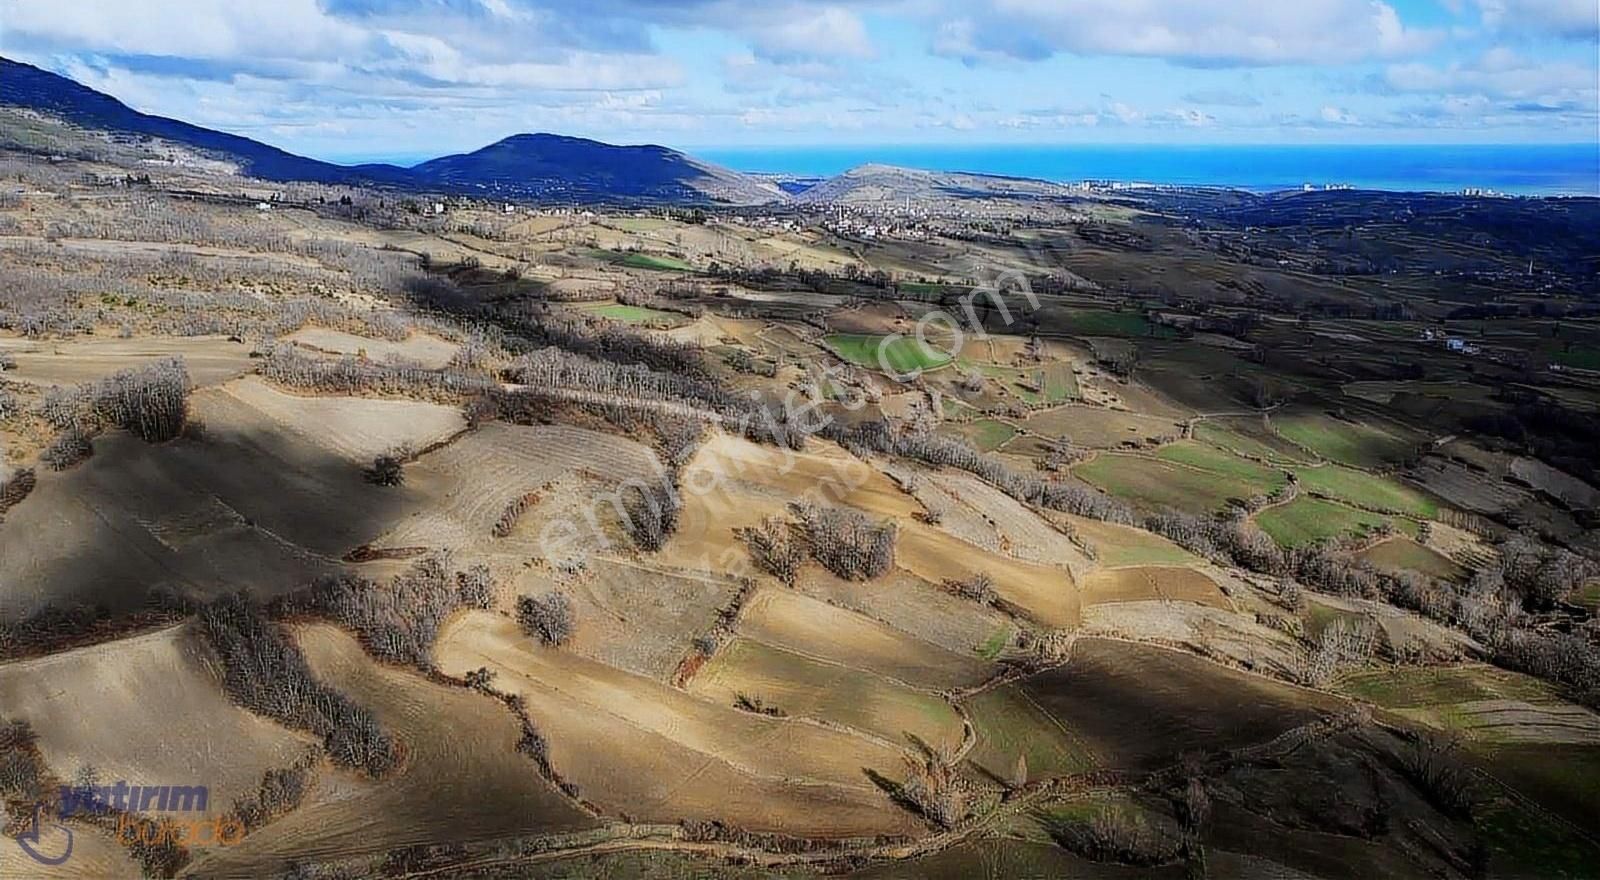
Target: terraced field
{"x": 446, "y": 733}
{"x": 1369, "y": 491}
{"x": 423, "y": 348}
{"x": 1350, "y": 443}
{"x": 1136, "y": 707}
{"x": 636, "y": 746}
{"x": 1404, "y": 554}
{"x": 1154, "y": 484}
{"x": 152, "y": 685}
{"x": 826, "y": 690}
{"x": 1139, "y": 583}
{"x": 1307, "y": 520}
{"x": 901, "y": 354}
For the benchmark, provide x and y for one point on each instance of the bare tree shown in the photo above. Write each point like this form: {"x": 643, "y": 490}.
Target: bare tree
{"x": 549, "y": 618}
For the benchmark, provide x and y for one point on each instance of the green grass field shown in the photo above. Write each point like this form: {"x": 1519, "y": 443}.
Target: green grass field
{"x": 1404, "y": 554}
{"x": 1582, "y": 357}
{"x": 1120, "y": 545}
{"x": 903, "y": 354}
{"x": 1218, "y": 461}
{"x": 1366, "y": 490}
{"x": 655, "y": 261}
{"x": 988, "y": 434}
{"x": 1251, "y": 438}
{"x": 1307, "y": 520}
{"x": 1405, "y": 687}
{"x": 1009, "y": 723}
{"x": 1348, "y": 443}
{"x": 632, "y": 314}
{"x": 995, "y": 643}
{"x": 1152, "y": 483}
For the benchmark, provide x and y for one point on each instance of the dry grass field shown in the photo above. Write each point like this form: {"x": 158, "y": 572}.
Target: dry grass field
{"x": 463, "y": 779}
{"x": 812, "y": 687}
{"x": 422, "y": 348}
{"x": 1136, "y": 706}
{"x": 653, "y": 752}
{"x": 1184, "y": 371}
{"x": 1166, "y": 583}
{"x": 210, "y": 360}
{"x": 172, "y": 722}
{"x": 810, "y": 627}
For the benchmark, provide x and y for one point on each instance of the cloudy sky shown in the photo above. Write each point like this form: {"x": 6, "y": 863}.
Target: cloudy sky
{"x": 364, "y": 78}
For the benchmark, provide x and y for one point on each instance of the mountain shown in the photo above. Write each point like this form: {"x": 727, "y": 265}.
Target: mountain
{"x": 23, "y": 85}
{"x": 556, "y": 166}
{"x": 524, "y": 165}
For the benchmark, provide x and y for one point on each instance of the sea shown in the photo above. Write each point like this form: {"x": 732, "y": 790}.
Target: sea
{"x": 1523, "y": 169}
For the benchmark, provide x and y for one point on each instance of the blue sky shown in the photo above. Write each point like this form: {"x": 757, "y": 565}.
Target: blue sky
{"x": 365, "y": 78}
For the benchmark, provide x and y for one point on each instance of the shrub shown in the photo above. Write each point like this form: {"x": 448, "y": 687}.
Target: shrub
{"x": 548, "y": 618}
{"x": 653, "y": 516}
{"x": 14, "y": 488}
{"x": 978, "y": 588}
{"x": 932, "y": 789}
{"x": 71, "y": 447}
{"x": 1118, "y": 835}
{"x": 513, "y": 511}
{"x": 386, "y": 470}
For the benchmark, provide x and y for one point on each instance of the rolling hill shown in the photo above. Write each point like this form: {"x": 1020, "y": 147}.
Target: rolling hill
{"x": 523, "y": 165}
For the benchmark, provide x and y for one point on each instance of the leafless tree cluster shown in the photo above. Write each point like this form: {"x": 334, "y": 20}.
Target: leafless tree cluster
{"x": 1119, "y": 835}
{"x": 400, "y": 621}
{"x": 846, "y": 543}
{"x": 69, "y": 448}
{"x": 24, "y": 779}
{"x": 1537, "y": 575}
{"x": 286, "y": 365}
{"x": 1341, "y": 643}
{"x": 652, "y": 515}
{"x": 182, "y": 295}
{"x": 14, "y": 487}
{"x": 1433, "y": 765}
{"x": 549, "y": 618}
{"x": 978, "y": 588}
{"x": 933, "y": 789}
{"x": 555, "y": 368}
{"x": 151, "y": 402}
{"x": 775, "y": 549}
{"x": 266, "y": 673}
{"x": 281, "y": 791}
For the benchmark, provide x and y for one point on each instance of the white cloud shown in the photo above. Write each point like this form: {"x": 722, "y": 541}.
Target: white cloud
{"x": 1571, "y": 19}
{"x": 1338, "y": 116}
{"x": 1499, "y": 72}
{"x": 1217, "y": 32}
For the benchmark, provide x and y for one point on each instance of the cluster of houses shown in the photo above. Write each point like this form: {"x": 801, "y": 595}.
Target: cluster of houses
{"x": 1453, "y": 343}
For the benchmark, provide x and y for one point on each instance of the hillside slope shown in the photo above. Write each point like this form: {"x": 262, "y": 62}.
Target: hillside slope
{"x": 553, "y": 165}
{"x": 523, "y": 165}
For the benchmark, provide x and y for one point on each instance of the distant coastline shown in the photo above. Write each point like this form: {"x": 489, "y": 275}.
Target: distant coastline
{"x": 1524, "y": 170}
